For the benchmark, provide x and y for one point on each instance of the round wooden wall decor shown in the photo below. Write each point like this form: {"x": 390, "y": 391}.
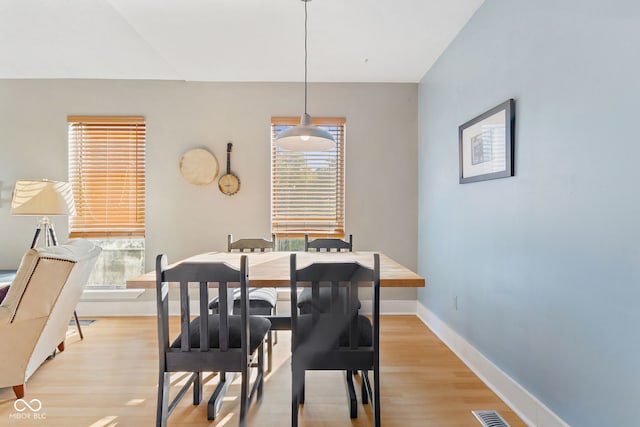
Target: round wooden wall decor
{"x": 199, "y": 166}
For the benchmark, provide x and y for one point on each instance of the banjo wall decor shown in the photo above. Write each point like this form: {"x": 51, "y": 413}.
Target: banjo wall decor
{"x": 229, "y": 184}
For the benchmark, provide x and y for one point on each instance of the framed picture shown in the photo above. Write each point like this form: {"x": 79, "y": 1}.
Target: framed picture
{"x": 486, "y": 144}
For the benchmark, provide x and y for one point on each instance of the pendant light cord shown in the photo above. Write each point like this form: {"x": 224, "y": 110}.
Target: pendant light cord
{"x": 305, "y": 56}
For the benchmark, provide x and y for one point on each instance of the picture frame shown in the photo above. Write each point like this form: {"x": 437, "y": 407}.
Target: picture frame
{"x": 487, "y": 144}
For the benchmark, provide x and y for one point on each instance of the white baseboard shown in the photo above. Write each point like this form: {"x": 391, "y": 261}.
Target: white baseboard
{"x": 527, "y": 406}
{"x": 110, "y": 294}
{"x": 391, "y": 307}
{"x": 97, "y": 308}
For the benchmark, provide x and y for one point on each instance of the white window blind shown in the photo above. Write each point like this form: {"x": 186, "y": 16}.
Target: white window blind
{"x": 107, "y": 172}
{"x": 307, "y": 190}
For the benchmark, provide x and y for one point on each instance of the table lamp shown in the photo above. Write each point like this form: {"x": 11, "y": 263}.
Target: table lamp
{"x": 43, "y": 198}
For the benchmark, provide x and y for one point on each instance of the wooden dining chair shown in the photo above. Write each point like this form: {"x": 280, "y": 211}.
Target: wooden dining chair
{"x": 262, "y": 301}
{"x": 339, "y": 338}
{"x": 220, "y": 343}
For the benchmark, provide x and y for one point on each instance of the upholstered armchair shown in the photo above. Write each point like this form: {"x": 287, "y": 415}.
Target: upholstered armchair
{"x": 35, "y": 314}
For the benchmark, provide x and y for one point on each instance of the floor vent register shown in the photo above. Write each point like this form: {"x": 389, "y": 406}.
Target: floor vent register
{"x": 490, "y": 419}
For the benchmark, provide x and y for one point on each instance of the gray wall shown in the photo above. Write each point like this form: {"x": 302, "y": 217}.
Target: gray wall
{"x": 545, "y": 265}
{"x": 182, "y": 219}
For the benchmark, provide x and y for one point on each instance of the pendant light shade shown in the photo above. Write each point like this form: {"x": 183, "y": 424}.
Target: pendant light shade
{"x": 305, "y": 136}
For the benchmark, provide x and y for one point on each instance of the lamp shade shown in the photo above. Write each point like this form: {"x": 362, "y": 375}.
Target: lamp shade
{"x": 42, "y": 198}
{"x": 305, "y": 137}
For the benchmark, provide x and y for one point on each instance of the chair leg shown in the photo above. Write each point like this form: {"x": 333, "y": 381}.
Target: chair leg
{"x": 364, "y": 386}
{"x": 275, "y": 333}
{"x": 197, "y": 389}
{"x": 269, "y": 351}
{"x": 294, "y": 410}
{"x": 244, "y": 393}
{"x": 75, "y": 316}
{"x": 376, "y": 395}
{"x": 215, "y": 401}
{"x": 295, "y": 390}
{"x": 351, "y": 392}
{"x": 297, "y": 387}
{"x": 302, "y": 387}
{"x": 162, "y": 412}
{"x": 18, "y": 390}
{"x": 260, "y": 374}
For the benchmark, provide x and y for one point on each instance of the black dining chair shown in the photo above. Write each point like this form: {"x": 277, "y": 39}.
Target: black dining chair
{"x": 262, "y": 301}
{"x": 338, "y": 338}
{"x": 220, "y": 343}
{"x": 305, "y": 301}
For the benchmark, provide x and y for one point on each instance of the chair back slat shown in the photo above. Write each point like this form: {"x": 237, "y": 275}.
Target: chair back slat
{"x": 244, "y": 308}
{"x": 354, "y": 331}
{"x": 204, "y": 320}
{"x": 294, "y": 299}
{"x": 185, "y": 317}
{"x": 337, "y": 307}
{"x": 223, "y": 309}
{"x": 315, "y": 296}
{"x": 335, "y": 299}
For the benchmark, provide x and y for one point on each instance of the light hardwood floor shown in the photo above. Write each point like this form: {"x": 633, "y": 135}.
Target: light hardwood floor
{"x": 110, "y": 379}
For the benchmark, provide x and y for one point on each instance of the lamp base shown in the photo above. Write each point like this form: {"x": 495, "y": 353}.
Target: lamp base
{"x": 49, "y": 233}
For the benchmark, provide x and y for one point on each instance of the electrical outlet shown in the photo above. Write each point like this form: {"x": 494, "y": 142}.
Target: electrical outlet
{"x": 455, "y": 302}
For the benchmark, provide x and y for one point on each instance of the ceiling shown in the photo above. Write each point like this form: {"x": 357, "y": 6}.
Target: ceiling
{"x": 227, "y": 40}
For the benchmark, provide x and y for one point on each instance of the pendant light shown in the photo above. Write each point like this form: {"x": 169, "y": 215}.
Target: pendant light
{"x": 305, "y": 136}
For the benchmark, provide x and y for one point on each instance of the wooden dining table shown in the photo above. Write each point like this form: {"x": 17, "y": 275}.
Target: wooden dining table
{"x": 271, "y": 269}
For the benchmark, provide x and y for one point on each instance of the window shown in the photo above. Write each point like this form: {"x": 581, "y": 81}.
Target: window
{"x": 307, "y": 190}
{"x": 107, "y": 173}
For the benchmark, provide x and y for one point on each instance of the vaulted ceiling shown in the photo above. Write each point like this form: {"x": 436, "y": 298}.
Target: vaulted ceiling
{"x": 227, "y": 40}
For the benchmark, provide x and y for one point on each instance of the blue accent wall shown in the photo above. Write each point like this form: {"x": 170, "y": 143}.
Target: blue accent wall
{"x": 545, "y": 265}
